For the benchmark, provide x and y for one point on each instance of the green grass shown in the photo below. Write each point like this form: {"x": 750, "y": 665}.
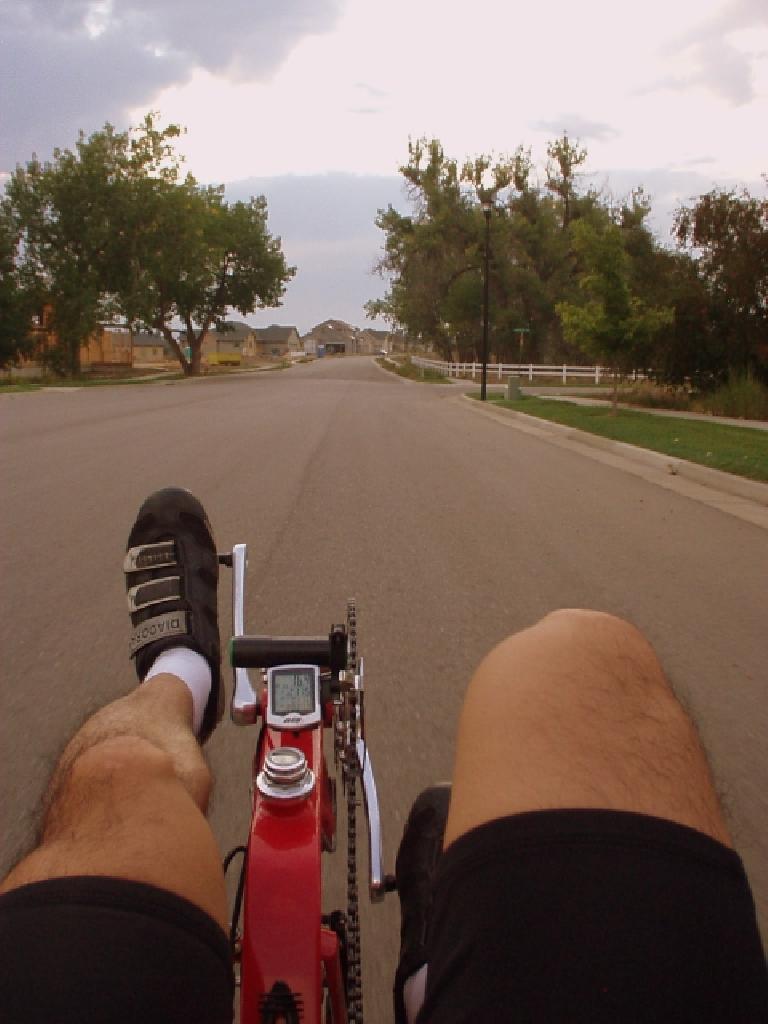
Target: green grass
{"x": 19, "y": 387}
{"x": 410, "y": 371}
{"x": 740, "y": 450}
{"x": 36, "y": 384}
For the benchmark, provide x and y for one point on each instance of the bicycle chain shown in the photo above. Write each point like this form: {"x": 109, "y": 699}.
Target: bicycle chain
{"x": 350, "y": 768}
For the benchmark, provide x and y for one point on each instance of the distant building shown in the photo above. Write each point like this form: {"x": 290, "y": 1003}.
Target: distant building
{"x": 224, "y": 344}
{"x": 336, "y": 336}
{"x": 236, "y": 343}
{"x": 274, "y": 341}
{"x": 151, "y": 349}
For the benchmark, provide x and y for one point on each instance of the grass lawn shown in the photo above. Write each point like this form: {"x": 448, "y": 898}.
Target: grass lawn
{"x": 37, "y": 384}
{"x": 740, "y": 450}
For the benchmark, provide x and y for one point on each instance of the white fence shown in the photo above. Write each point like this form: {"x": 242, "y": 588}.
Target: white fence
{"x": 591, "y": 374}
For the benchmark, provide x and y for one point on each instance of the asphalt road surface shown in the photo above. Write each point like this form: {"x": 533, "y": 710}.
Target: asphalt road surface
{"x": 450, "y": 528}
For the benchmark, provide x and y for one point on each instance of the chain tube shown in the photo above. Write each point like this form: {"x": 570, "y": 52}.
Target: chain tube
{"x": 354, "y": 961}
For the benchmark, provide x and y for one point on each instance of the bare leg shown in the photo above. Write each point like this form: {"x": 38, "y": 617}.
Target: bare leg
{"x": 578, "y": 915}
{"x": 576, "y": 712}
{"x": 128, "y": 800}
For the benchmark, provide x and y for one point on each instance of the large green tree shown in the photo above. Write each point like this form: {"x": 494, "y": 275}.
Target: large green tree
{"x": 112, "y": 230}
{"x": 16, "y": 300}
{"x": 727, "y": 234}
{"x": 433, "y": 256}
{"x": 612, "y": 323}
{"x": 198, "y": 258}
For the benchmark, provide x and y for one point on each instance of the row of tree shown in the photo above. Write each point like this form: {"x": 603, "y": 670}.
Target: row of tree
{"x": 113, "y": 231}
{"x": 572, "y": 271}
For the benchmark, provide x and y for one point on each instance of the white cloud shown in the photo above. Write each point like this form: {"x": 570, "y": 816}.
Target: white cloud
{"x": 73, "y": 64}
{"x": 349, "y": 100}
{"x": 308, "y": 87}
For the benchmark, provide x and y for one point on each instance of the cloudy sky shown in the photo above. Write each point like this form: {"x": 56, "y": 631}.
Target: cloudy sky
{"x": 312, "y": 102}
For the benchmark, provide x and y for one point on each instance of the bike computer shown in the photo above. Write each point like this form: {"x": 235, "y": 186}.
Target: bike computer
{"x": 293, "y": 697}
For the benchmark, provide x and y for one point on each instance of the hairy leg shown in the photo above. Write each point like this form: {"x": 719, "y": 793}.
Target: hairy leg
{"x": 128, "y": 800}
{"x": 576, "y": 712}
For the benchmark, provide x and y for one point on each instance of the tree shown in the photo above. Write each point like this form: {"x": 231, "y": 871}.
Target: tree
{"x": 198, "y": 257}
{"x": 727, "y": 233}
{"x": 112, "y": 230}
{"x": 565, "y": 157}
{"x": 433, "y": 257}
{"x": 427, "y": 253}
{"x": 70, "y": 216}
{"x": 612, "y": 324}
{"x": 16, "y": 302}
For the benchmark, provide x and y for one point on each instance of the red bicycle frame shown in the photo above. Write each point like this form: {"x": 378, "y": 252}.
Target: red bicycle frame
{"x": 284, "y": 943}
{"x": 291, "y": 959}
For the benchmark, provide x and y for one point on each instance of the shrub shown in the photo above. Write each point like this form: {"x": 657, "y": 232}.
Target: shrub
{"x": 656, "y": 396}
{"x": 742, "y": 396}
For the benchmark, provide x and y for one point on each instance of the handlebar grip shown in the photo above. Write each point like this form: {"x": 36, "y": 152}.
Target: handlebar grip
{"x": 268, "y": 651}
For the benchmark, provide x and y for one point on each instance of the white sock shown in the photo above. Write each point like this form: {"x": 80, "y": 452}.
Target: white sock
{"x": 193, "y": 670}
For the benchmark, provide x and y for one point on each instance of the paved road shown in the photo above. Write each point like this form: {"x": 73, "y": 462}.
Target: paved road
{"x": 451, "y": 528}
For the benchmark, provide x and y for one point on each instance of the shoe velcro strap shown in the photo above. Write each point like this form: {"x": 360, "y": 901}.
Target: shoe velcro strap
{"x": 157, "y": 628}
{"x": 154, "y": 592}
{"x": 150, "y": 556}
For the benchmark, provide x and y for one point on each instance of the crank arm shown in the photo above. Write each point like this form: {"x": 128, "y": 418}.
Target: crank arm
{"x": 245, "y": 703}
{"x": 378, "y": 886}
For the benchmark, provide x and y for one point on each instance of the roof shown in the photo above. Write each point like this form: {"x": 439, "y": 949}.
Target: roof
{"x": 333, "y": 331}
{"x": 145, "y": 339}
{"x": 275, "y": 333}
{"x": 234, "y": 330}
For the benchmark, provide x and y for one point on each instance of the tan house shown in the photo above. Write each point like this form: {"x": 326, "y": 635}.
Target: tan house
{"x": 107, "y": 350}
{"x": 236, "y": 343}
{"x": 331, "y": 337}
{"x": 107, "y": 347}
{"x": 273, "y": 342}
{"x": 335, "y": 337}
{"x": 151, "y": 349}
{"x": 226, "y": 344}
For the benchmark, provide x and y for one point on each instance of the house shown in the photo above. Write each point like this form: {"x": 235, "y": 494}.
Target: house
{"x": 107, "y": 350}
{"x": 336, "y": 336}
{"x": 332, "y": 337}
{"x": 226, "y": 344}
{"x": 151, "y": 349}
{"x": 381, "y": 341}
{"x": 274, "y": 341}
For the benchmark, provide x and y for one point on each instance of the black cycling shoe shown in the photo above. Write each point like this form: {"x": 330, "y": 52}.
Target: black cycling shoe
{"x": 172, "y": 572}
{"x": 417, "y": 858}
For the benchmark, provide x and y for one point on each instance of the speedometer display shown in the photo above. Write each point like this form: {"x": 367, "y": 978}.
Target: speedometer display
{"x": 293, "y": 690}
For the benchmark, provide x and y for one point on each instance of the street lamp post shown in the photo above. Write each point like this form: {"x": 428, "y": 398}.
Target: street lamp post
{"x": 487, "y": 206}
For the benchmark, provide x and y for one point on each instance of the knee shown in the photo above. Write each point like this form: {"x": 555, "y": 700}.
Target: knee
{"x": 119, "y": 759}
{"x": 584, "y": 625}
{"x": 133, "y": 765}
{"x": 600, "y": 644}
{"x": 575, "y": 663}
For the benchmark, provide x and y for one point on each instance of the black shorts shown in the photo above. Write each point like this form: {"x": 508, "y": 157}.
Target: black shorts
{"x": 559, "y": 916}
{"x": 92, "y": 950}
{"x": 593, "y": 916}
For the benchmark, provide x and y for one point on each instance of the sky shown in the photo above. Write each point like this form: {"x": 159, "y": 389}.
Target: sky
{"x": 312, "y": 102}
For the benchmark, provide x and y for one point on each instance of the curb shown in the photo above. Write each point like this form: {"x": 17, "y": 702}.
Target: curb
{"x": 727, "y": 483}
